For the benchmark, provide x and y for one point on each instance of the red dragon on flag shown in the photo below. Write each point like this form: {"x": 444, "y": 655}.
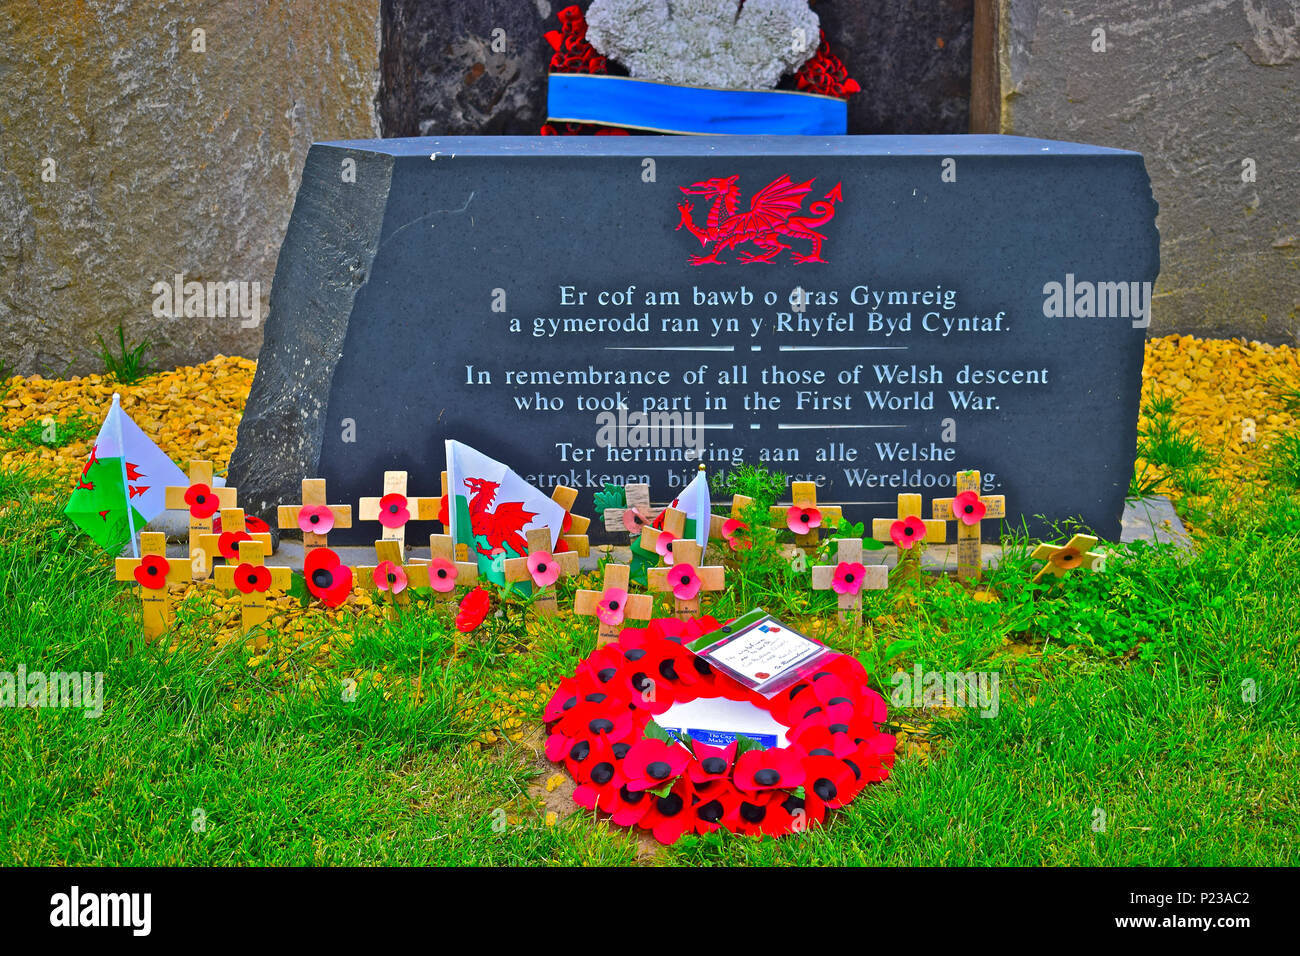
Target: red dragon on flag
{"x": 771, "y": 215}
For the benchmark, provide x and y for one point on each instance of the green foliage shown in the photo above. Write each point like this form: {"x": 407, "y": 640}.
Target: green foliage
{"x": 753, "y": 481}
{"x": 1172, "y": 454}
{"x": 126, "y": 365}
{"x": 50, "y": 433}
{"x": 612, "y": 496}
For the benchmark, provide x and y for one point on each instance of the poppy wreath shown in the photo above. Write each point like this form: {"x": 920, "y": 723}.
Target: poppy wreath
{"x": 601, "y": 728}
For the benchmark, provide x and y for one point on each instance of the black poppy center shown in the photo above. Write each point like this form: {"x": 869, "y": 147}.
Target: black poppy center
{"x": 752, "y": 813}
{"x": 322, "y": 578}
{"x": 825, "y": 789}
{"x": 602, "y": 773}
{"x": 314, "y": 519}
{"x": 151, "y": 570}
{"x": 605, "y": 675}
{"x": 702, "y": 666}
{"x": 630, "y": 796}
{"x": 670, "y": 805}
{"x": 569, "y": 703}
{"x": 580, "y": 750}
{"x": 641, "y": 682}
{"x": 713, "y": 765}
{"x": 804, "y": 518}
{"x": 667, "y": 670}
{"x": 620, "y": 750}
{"x": 613, "y": 605}
{"x": 252, "y": 579}
{"x": 201, "y": 499}
{"x": 968, "y": 509}
{"x": 686, "y": 580}
{"x": 392, "y": 578}
{"x": 711, "y": 812}
{"x": 857, "y": 773}
{"x": 595, "y": 698}
{"x": 767, "y": 777}
{"x": 821, "y": 752}
{"x": 393, "y": 509}
{"x": 635, "y": 654}
{"x": 658, "y": 769}
{"x": 848, "y": 578}
{"x": 600, "y": 726}
{"x": 442, "y": 572}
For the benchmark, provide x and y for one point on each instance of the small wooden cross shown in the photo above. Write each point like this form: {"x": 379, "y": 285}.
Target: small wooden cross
{"x": 233, "y": 530}
{"x": 565, "y": 563}
{"x": 870, "y": 577}
{"x": 314, "y": 513}
{"x": 255, "y": 582}
{"x": 673, "y": 529}
{"x": 970, "y": 510}
{"x": 805, "y": 511}
{"x": 394, "y": 509}
{"x": 909, "y": 558}
{"x": 153, "y": 572}
{"x": 638, "y": 607}
{"x": 400, "y": 577}
{"x": 203, "y": 501}
{"x": 576, "y": 536}
{"x": 635, "y": 516}
{"x": 1060, "y": 560}
{"x": 445, "y": 572}
{"x": 716, "y": 522}
{"x": 687, "y": 556}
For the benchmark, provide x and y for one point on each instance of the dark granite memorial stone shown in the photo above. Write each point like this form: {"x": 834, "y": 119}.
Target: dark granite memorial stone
{"x": 961, "y": 302}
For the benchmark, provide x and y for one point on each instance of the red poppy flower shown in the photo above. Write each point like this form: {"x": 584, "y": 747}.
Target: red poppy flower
{"x": 327, "y": 578}
{"x": 664, "y": 546}
{"x": 712, "y": 763}
{"x": 393, "y": 512}
{"x": 670, "y": 817}
{"x": 749, "y": 813}
{"x": 734, "y": 532}
{"x": 152, "y": 572}
{"x": 968, "y": 508}
{"x": 635, "y": 520}
{"x": 803, "y": 520}
{"x": 907, "y": 532}
{"x": 228, "y": 543}
{"x": 474, "y": 606}
{"x": 849, "y": 576}
{"x": 651, "y": 763}
{"x": 768, "y": 769}
{"x": 830, "y": 782}
{"x": 250, "y": 578}
{"x": 315, "y": 519}
{"x": 543, "y": 568}
{"x": 202, "y": 501}
{"x": 389, "y": 577}
{"x": 611, "y": 607}
{"x": 685, "y": 581}
{"x": 442, "y": 575}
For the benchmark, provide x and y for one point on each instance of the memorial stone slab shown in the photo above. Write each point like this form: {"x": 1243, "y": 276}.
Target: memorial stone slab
{"x": 870, "y": 314}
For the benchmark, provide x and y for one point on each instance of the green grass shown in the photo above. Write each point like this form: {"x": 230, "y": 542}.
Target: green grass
{"x": 1120, "y": 692}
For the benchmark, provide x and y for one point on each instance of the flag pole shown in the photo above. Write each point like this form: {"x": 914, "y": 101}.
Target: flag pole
{"x": 121, "y": 450}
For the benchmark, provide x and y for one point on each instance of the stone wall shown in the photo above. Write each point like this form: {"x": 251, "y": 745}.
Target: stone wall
{"x": 129, "y": 157}
{"x": 1208, "y": 92}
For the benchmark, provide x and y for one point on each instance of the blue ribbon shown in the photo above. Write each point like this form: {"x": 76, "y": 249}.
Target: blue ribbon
{"x": 664, "y": 108}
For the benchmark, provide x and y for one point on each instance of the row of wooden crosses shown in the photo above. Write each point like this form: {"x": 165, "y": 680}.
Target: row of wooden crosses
{"x": 664, "y": 558}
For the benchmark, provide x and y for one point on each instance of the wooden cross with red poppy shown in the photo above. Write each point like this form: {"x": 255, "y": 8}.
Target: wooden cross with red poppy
{"x": 732, "y": 529}
{"x": 327, "y": 578}
{"x": 389, "y": 575}
{"x": 635, "y": 516}
{"x": 542, "y": 569}
{"x": 908, "y": 532}
{"x": 153, "y": 572}
{"x": 660, "y": 540}
{"x": 445, "y": 572}
{"x": 968, "y": 508}
{"x": 573, "y": 533}
{"x": 848, "y": 578}
{"x": 314, "y": 518}
{"x": 613, "y": 605}
{"x": 686, "y": 578}
{"x": 394, "y": 509}
{"x": 255, "y": 582}
{"x": 202, "y": 501}
{"x": 1060, "y": 560}
{"x": 804, "y": 517}
{"x": 234, "y": 529}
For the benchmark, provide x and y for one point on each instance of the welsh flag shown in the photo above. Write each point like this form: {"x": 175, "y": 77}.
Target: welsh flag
{"x": 121, "y": 487}
{"x": 694, "y": 500}
{"x": 491, "y": 508}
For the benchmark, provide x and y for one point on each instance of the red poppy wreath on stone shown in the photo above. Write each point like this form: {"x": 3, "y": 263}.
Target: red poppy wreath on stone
{"x": 601, "y": 724}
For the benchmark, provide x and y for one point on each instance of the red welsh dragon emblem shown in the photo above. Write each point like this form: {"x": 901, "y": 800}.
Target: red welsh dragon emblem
{"x": 772, "y": 214}
{"x": 502, "y": 526}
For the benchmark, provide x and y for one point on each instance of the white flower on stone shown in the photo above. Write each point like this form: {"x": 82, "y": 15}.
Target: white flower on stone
{"x": 714, "y": 43}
